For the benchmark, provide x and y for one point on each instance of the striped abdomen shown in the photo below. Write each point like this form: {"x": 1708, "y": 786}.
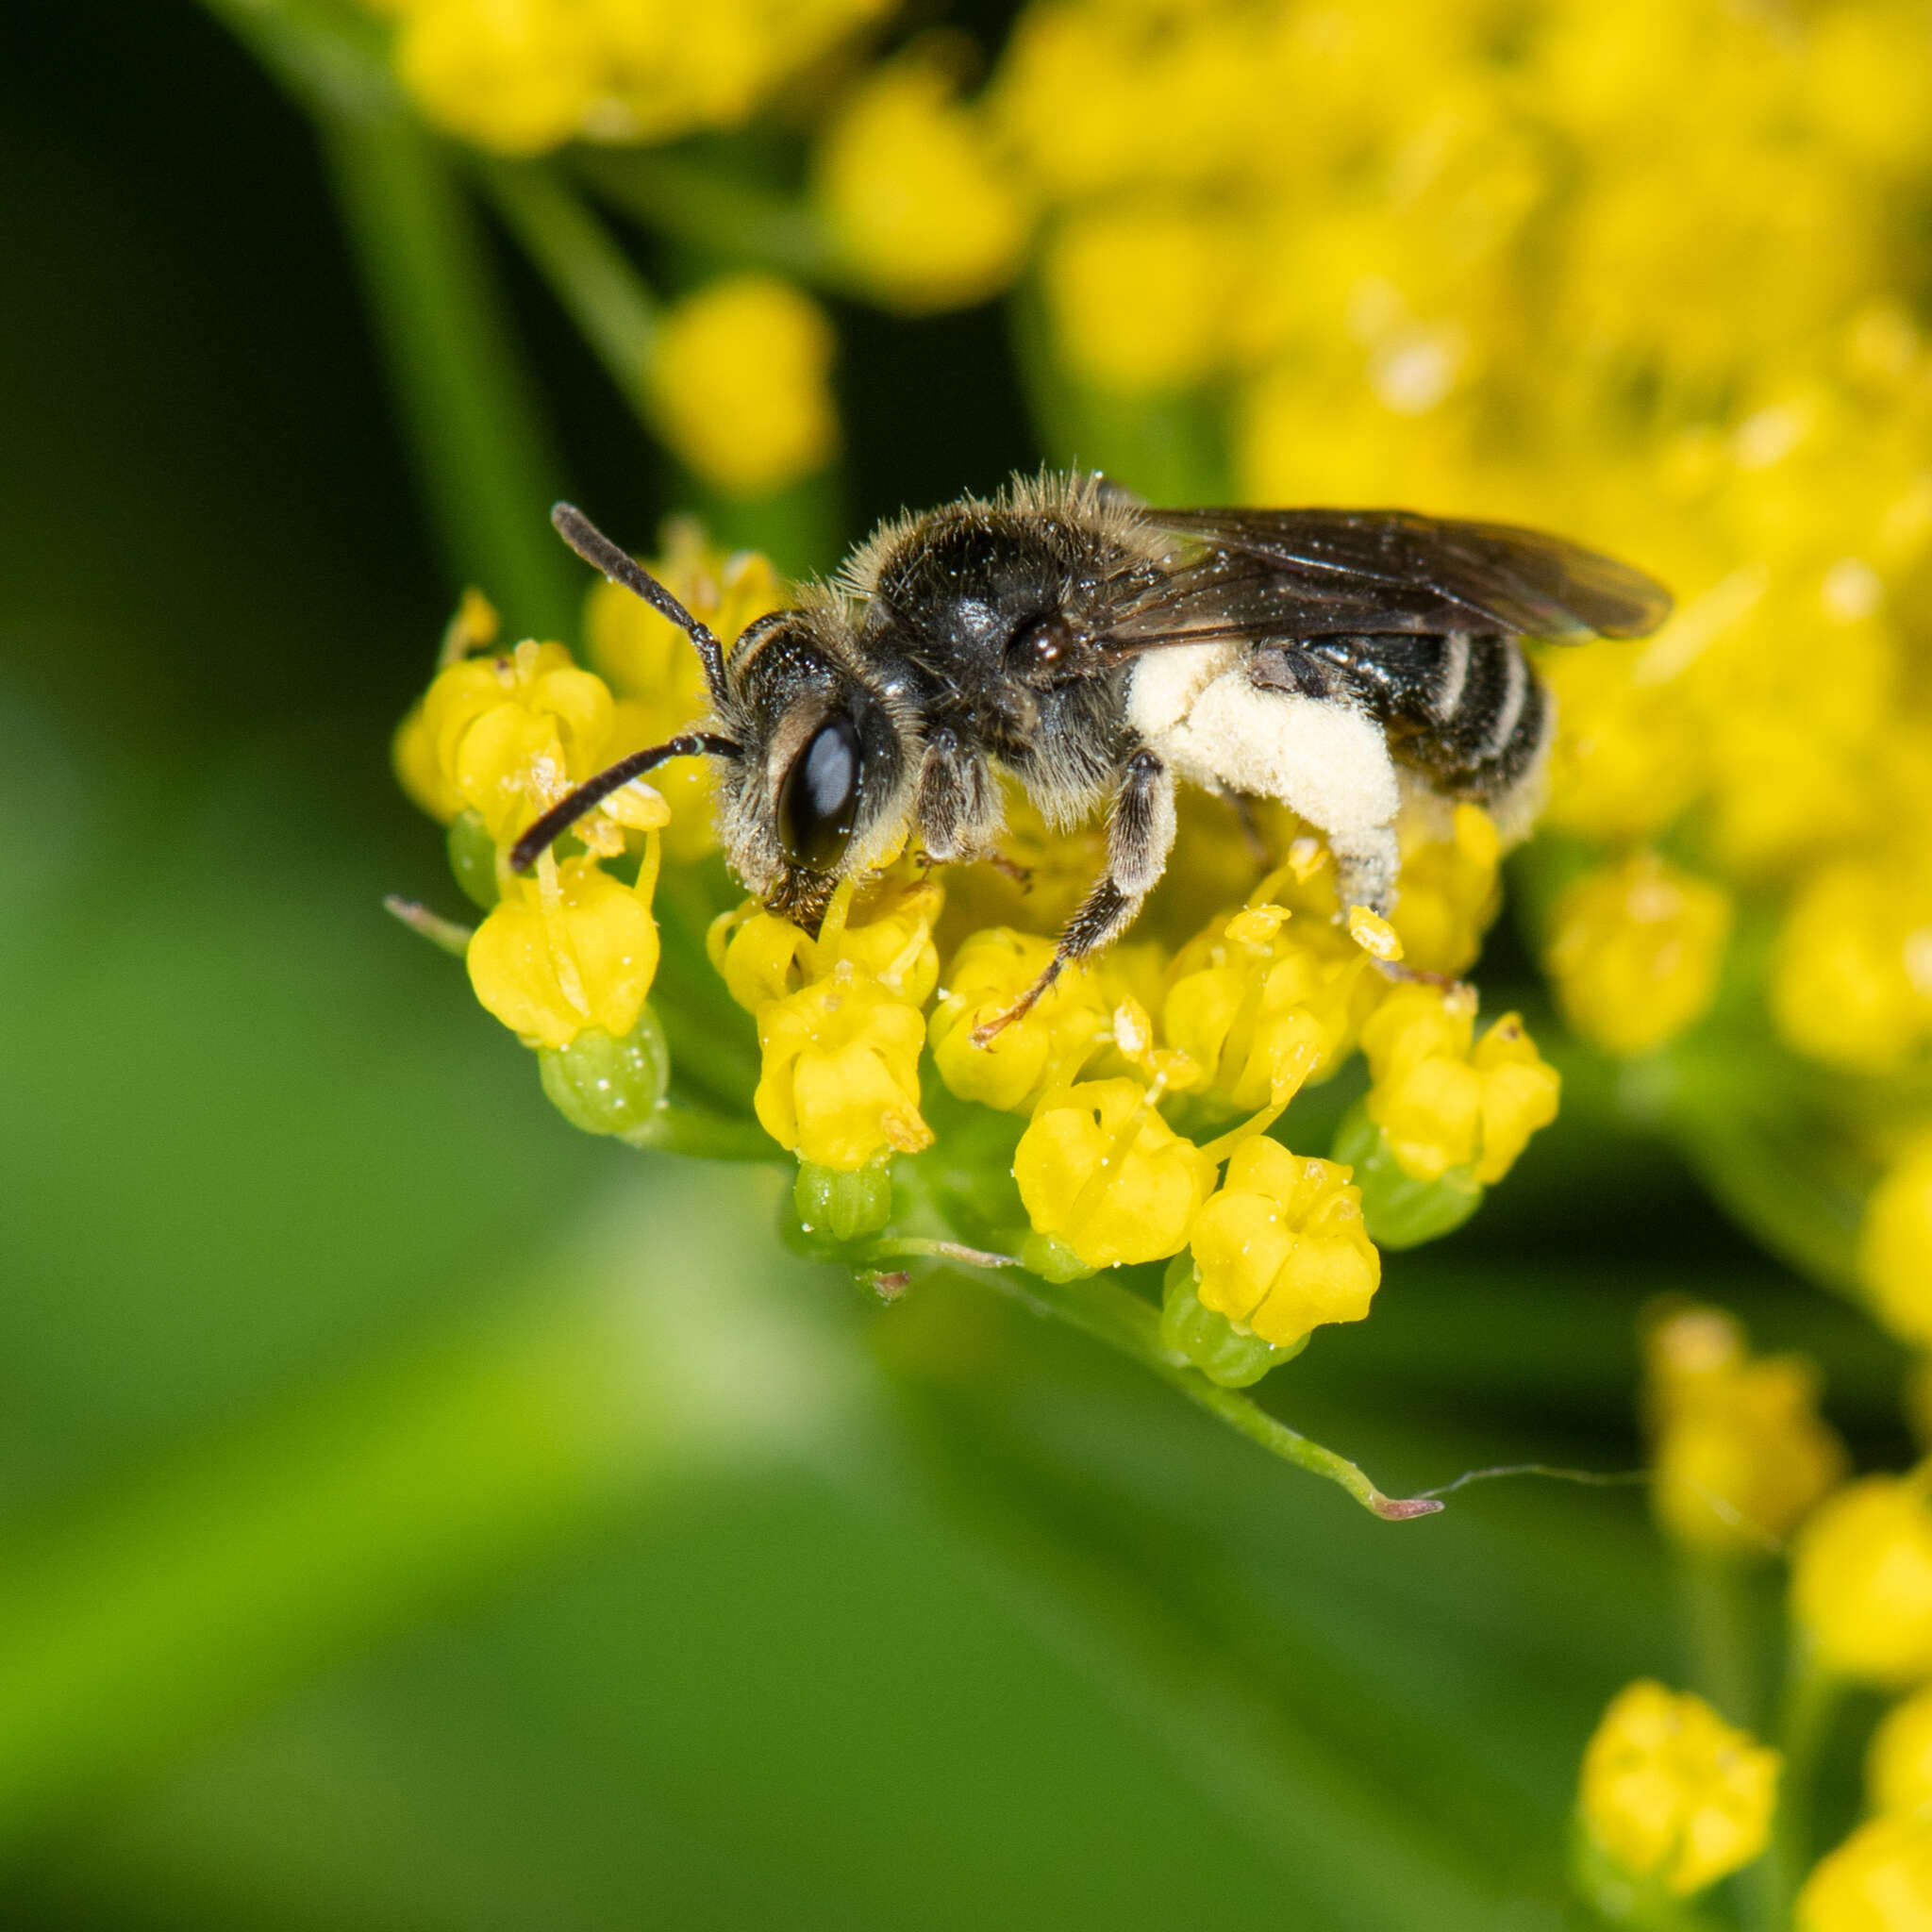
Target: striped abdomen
{"x": 1468, "y": 713}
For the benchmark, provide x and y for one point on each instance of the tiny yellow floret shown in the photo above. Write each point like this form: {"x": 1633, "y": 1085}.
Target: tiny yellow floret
{"x": 1100, "y": 1171}
{"x": 1671, "y": 1793}
{"x": 1898, "y": 1761}
{"x": 569, "y": 949}
{"x": 1740, "y": 1452}
{"x": 1878, "y": 1880}
{"x": 1861, "y": 1579}
{"x": 1634, "y": 953}
{"x": 1046, "y": 1047}
{"x": 1281, "y": 1248}
{"x": 741, "y": 384}
{"x": 1851, "y": 979}
{"x": 1896, "y": 1246}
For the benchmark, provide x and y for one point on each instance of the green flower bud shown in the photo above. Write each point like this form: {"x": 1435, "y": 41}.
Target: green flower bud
{"x": 1050, "y": 1257}
{"x": 609, "y": 1086}
{"x": 1399, "y": 1210}
{"x": 838, "y": 1208}
{"x": 1210, "y": 1341}
{"x": 473, "y": 858}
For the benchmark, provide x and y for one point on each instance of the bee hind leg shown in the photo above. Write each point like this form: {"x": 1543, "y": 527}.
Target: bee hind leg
{"x": 1140, "y": 835}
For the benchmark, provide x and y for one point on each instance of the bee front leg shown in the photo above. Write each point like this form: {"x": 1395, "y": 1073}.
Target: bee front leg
{"x": 1140, "y": 835}
{"x": 959, "y": 806}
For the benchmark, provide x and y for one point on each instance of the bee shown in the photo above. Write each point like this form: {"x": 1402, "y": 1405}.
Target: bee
{"x": 1101, "y": 652}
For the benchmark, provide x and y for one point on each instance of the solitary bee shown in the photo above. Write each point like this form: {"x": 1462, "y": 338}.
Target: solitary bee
{"x": 1100, "y": 651}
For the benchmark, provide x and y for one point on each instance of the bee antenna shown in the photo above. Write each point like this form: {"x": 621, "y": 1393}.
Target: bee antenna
{"x": 597, "y": 550}
{"x": 594, "y": 791}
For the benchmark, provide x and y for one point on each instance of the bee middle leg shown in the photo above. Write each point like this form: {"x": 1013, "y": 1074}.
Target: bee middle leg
{"x": 1140, "y": 835}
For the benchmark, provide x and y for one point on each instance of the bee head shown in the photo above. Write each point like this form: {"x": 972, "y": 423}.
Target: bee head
{"x": 823, "y": 789}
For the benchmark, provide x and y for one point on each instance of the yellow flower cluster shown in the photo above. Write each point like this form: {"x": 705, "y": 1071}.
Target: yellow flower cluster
{"x": 1739, "y": 1452}
{"x": 522, "y": 77}
{"x": 1671, "y": 1793}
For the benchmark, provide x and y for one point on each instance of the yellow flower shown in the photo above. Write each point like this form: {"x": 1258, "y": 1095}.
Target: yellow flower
{"x": 1671, "y": 1793}
{"x": 1281, "y": 1249}
{"x": 1741, "y": 1453}
{"x": 764, "y": 957}
{"x": 1450, "y": 892}
{"x": 1046, "y": 1048}
{"x": 1634, "y": 953}
{"x": 840, "y": 1083}
{"x": 1852, "y": 983}
{"x": 1896, "y": 1248}
{"x": 1443, "y": 1101}
{"x": 569, "y": 949}
{"x": 1101, "y": 1171}
{"x": 1142, "y": 297}
{"x": 741, "y": 384}
{"x": 1878, "y": 1880}
{"x": 1861, "y": 1579}
{"x": 659, "y": 680}
{"x": 920, "y": 202}
{"x": 506, "y": 736}
{"x": 1258, "y": 1005}
{"x": 515, "y": 75}
{"x": 1898, "y": 1762}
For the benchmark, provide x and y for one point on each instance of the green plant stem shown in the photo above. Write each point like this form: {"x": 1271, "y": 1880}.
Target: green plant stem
{"x": 1811, "y": 1699}
{"x": 473, "y": 416}
{"x": 586, "y": 270}
{"x": 738, "y": 222}
{"x": 1714, "y": 1612}
{"x": 674, "y": 1129}
{"x": 1112, "y": 1314}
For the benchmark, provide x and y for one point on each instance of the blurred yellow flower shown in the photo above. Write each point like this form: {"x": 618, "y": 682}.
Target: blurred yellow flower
{"x": 1102, "y": 1172}
{"x": 741, "y": 384}
{"x": 1281, "y": 1248}
{"x": 1450, "y": 892}
{"x": 1898, "y": 1761}
{"x": 1861, "y": 1579}
{"x": 1878, "y": 1880}
{"x": 1739, "y": 1452}
{"x": 1670, "y": 1791}
{"x": 1896, "y": 1248}
{"x": 569, "y": 949}
{"x": 1634, "y": 953}
{"x": 1446, "y": 1100}
{"x": 1852, "y": 981}
{"x": 919, "y": 200}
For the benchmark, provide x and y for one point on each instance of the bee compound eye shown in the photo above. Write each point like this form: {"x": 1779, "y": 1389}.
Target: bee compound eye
{"x": 818, "y": 803}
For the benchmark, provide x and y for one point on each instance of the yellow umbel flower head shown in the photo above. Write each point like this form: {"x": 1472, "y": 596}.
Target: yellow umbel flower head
{"x": 1101, "y": 1172}
{"x": 1861, "y": 1579}
{"x": 1281, "y": 1248}
{"x": 1442, "y": 1098}
{"x": 1669, "y": 1792}
{"x": 1740, "y": 1451}
{"x": 1634, "y": 953}
{"x": 741, "y": 384}
{"x": 1879, "y": 1880}
{"x": 1896, "y": 1248}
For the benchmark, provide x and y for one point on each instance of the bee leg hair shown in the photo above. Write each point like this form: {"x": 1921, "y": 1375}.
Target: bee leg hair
{"x": 958, "y": 809}
{"x": 1140, "y": 835}
{"x": 1367, "y": 864}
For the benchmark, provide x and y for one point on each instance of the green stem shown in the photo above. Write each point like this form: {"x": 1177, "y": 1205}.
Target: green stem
{"x": 1112, "y": 1314}
{"x": 1714, "y": 1609}
{"x": 586, "y": 270}
{"x": 1810, "y": 1700}
{"x": 475, "y": 425}
{"x": 736, "y": 221}
{"x": 674, "y": 1129}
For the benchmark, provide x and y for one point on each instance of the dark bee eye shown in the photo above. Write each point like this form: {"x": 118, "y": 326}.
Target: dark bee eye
{"x": 818, "y": 803}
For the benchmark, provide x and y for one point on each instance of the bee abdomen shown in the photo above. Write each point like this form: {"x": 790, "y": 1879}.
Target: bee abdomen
{"x": 1467, "y": 710}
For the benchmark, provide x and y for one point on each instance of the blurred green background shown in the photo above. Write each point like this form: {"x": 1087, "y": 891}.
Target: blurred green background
{"x": 418, "y": 1515}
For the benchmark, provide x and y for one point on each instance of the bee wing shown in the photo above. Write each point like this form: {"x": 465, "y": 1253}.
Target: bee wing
{"x": 1320, "y": 573}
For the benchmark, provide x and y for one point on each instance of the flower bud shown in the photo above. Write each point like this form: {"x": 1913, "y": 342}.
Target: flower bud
{"x": 1281, "y": 1248}
{"x": 1861, "y": 1580}
{"x": 1101, "y": 1171}
{"x": 1741, "y": 1453}
{"x": 1878, "y": 1880}
{"x": 1208, "y": 1339}
{"x": 609, "y": 1086}
{"x": 1673, "y": 1795}
{"x": 1634, "y": 953}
